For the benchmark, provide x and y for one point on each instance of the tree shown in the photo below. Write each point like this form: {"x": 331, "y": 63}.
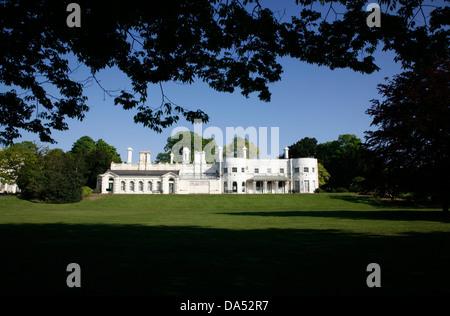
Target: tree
{"x": 342, "y": 159}
{"x": 236, "y": 148}
{"x": 87, "y": 144}
{"x": 53, "y": 177}
{"x": 191, "y": 140}
{"x": 110, "y": 150}
{"x": 324, "y": 176}
{"x": 95, "y": 158}
{"x": 305, "y": 147}
{"x": 413, "y": 134}
{"x": 232, "y": 45}
{"x": 84, "y": 143}
{"x": 13, "y": 157}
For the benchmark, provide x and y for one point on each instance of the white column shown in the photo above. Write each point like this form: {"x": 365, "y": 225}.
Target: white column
{"x": 105, "y": 181}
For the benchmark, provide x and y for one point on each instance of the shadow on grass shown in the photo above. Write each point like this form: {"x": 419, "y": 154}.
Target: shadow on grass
{"x": 392, "y": 215}
{"x": 169, "y": 260}
{"x": 385, "y": 203}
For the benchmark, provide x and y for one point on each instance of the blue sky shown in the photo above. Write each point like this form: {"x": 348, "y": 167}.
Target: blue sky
{"x": 309, "y": 101}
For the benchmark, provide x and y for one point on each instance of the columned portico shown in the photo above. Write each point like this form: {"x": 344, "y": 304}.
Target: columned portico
{"x": 269, "y": 184}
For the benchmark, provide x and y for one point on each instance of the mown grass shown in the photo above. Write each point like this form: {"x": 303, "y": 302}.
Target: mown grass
{"x": 224, "y": 245}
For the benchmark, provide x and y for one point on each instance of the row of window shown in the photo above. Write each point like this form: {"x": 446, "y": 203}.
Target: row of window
{"x": 131, "y": 186}
{"x": 269, "y": 170}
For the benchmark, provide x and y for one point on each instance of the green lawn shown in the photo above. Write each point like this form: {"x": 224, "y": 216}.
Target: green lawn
{"x": 224, "y": 245}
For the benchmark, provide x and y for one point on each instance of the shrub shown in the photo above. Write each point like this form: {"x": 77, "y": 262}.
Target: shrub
{"x": 86, "y": 192}
{"x": 356, "y": 184}
{"x": 96, "y": 191}
{"x": 319, "y": 190}
{"x": 341, "y": 190}
{"x": 51, "y": 177}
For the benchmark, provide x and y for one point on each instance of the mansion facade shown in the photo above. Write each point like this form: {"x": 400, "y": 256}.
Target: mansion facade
{"x": 238, "y": 175}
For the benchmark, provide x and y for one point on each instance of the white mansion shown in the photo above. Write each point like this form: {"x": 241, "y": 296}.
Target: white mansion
{"x": 226, "y": 175}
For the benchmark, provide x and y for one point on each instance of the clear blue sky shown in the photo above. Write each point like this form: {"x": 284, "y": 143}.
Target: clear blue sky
{"x": 309, "y": 101}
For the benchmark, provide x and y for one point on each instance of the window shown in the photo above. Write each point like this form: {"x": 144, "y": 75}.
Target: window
{"x": 297, "y": 170}
{"x": 243, "y": 186}
{"x": 225, "y": 187}
{"x": 242, "y": 169}
{"x": 269, "y": 170}
{"x": 306, "y": 169}
{"x": 122, "y": 186}
{"x": 234, "y": 186}
{"x": 281, "y": 170}
{"x": 225, "y": 170}
{"x": 141, "y": 186}
{"x": 110, "y": 185}
{"x": 297, "y": 186}
{"x": 256, "y": 170}
{"x": 312, "y": 169}
{"x": 149, "y": 186}
{"x": 234, "y": 169}
{"x": 132, "y": 186}
{"x": 158, "y": 185}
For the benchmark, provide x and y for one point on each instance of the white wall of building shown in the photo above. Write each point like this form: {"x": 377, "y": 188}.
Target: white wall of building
{"x": 227, "y": 175}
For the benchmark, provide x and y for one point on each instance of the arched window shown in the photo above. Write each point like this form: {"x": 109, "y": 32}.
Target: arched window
{"x": 149, "y": 186}
{"x": 132, "y": 186}
{"x": 141, "y": 186}
{"x": 243, "y": 186}
{"x": 158, "y": 186}
{"x": 122, "y": 186}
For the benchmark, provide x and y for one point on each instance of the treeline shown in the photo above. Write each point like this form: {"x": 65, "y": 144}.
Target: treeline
{"x": 54, "y": 176}
{"x": 348, "y": 165}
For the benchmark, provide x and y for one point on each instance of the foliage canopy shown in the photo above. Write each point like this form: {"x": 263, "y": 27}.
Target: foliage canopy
{"x": 230, "y": 45}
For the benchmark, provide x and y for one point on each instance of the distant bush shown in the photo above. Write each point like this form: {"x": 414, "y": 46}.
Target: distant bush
{"x": 341, "y": 190}
{"x": 86, "y": 192}
{"x": 356, "y": 184}
{"x": 319, "y": 190}
{"x": 96, "y": 191}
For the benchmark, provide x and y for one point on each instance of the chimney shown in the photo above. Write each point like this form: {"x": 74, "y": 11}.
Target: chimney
{"x": 220, "y": 154}
{"x": 130, "y": 152}
{"x": 144, "y": 157}
{"x": 286, "y": 153}
{"x": 186, "y": 155}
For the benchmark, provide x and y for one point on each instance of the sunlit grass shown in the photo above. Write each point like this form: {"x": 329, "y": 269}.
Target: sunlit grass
{"x": 224, "y": 244}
